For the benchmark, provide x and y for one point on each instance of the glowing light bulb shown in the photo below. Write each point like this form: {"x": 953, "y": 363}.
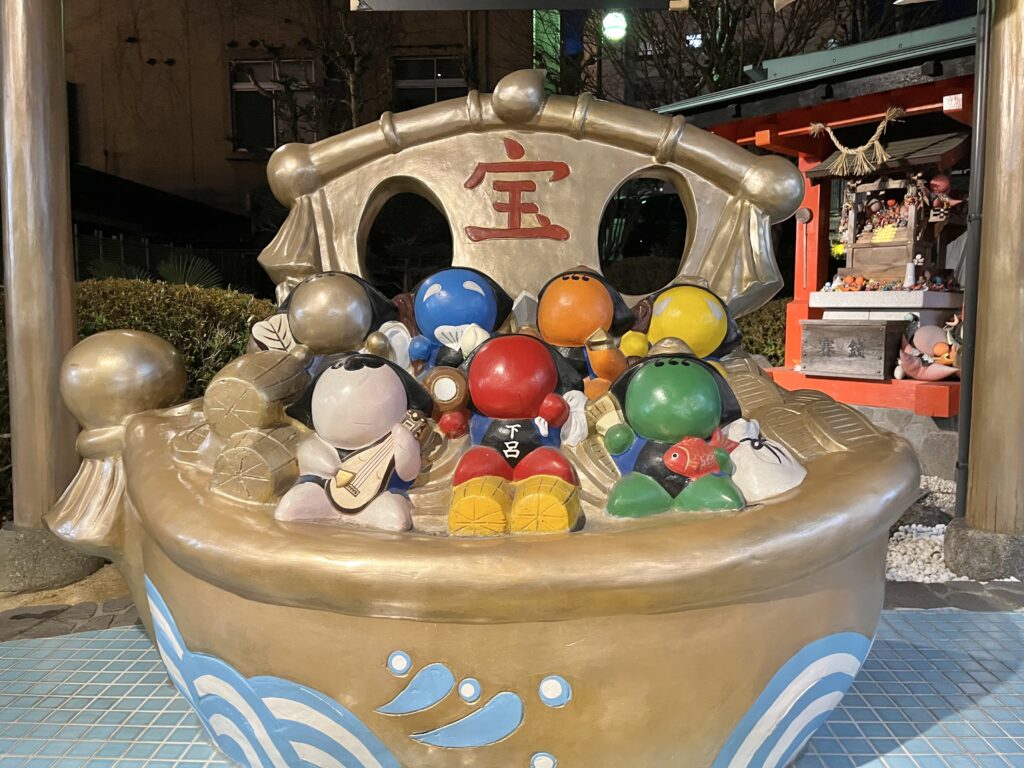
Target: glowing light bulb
{"x": 614, "y": 25}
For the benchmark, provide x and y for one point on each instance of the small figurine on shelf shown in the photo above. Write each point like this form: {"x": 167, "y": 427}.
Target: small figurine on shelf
{"x": 942, "y": 202}
{"x": 927, "y": 352}
{"x": 580, "y": 313}
{"x": 910, "y": 275}
{"x": 370, "y": 421}
{"x": 691, "y": 313}
{"x": 525, "y": 403}
{"x": 455, "y": 309}
{"x": 853, "y": 283}
{"x": 670, "y": 447}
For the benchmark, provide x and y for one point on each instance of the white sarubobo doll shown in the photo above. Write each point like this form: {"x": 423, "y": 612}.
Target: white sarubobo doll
{"x": 368, "y": 416}
{"x": 763, "y": 468}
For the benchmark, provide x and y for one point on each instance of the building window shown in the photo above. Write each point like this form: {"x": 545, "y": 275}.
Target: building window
{"x": 422, "y": 81}
{"x": 272, "y": 103}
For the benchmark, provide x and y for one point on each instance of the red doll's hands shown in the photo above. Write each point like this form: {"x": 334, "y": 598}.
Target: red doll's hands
{"x": 454, "y": 424}
{"x": 554, "y": 410}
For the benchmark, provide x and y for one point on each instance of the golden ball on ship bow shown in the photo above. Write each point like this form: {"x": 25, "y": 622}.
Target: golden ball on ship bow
{"x": 107, "y": 377}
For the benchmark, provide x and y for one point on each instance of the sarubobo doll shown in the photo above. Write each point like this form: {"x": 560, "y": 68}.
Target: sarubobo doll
{"x": 763, "y": 468}
{"x": 455, "y": 310}
{"x": 369, "y": 418}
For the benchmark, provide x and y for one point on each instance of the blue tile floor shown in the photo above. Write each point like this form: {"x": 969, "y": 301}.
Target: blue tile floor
{"x": 942, "y": 688}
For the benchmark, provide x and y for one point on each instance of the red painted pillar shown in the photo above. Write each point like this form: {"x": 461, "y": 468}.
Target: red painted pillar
{"x": 812, "y": 253}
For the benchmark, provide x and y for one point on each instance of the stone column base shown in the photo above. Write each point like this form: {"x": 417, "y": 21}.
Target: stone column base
{"x": 983, "y": 555}
{"x": 33, "y": 558}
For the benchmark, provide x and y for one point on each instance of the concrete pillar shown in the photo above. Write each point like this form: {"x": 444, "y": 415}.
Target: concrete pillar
{"x": 989, "y": 541}
{"x": 38, "y": 259}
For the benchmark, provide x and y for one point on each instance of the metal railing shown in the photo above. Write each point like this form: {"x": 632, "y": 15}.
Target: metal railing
{"x": 98, "y": 253}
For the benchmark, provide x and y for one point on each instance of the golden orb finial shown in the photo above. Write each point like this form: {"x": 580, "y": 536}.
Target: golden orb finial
{"x": 107, "y": 377}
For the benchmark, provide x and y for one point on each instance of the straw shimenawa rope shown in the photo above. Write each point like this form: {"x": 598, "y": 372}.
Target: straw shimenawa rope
{"x": 856, "y": 162}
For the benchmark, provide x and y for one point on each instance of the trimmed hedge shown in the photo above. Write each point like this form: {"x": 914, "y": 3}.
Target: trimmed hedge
{"x": 764, "y": 331}
{"x": 210, "y": 327}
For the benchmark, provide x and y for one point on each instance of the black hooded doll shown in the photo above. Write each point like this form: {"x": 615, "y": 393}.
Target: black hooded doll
{"x": 368, "y": 418}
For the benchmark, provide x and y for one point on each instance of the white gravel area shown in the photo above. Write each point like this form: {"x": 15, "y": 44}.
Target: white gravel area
{"x": 915, "y": 551}
{"x": 915, "y": 554}
{"x": 939, "y": 493}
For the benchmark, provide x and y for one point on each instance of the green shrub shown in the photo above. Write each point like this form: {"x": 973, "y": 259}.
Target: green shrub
{"x": 764, "y": 331}
{"x": 209, "y": 326}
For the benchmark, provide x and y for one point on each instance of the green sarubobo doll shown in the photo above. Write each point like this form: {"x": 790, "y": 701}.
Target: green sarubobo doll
{"x": 670, "y": 449}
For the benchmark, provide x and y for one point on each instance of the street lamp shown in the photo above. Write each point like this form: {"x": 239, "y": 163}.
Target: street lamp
{"x": 614, "y": 26}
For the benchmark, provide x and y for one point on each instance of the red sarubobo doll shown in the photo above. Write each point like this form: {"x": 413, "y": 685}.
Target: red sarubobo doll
{"x": 515, "y": 479}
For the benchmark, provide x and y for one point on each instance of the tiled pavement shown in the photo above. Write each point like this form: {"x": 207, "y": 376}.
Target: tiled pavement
{"x": 95, "y": 699}
{"x": 941, "y": 689}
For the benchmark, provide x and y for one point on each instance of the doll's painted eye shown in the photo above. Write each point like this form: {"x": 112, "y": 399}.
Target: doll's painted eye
{"x": 469, "y": 285}
{"x": 432, "y": 291}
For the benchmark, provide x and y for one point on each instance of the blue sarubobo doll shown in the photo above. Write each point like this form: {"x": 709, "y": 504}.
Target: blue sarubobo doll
{"x": 447, "y": 304}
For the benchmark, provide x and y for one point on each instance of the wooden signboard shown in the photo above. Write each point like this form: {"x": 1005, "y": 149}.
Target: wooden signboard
{"x": 851, "y": 349}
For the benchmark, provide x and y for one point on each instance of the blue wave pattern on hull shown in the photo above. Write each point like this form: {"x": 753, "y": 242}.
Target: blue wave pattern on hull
{"x": 795, "y": 703}
{"x": 263, "y": 722}
{"x": 494, "y": 721}
{"x": 430, "y": 686}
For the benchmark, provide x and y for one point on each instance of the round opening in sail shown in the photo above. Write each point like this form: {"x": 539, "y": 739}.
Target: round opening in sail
{"x": 642, "y": 235}
{"x": 410, "y": 239}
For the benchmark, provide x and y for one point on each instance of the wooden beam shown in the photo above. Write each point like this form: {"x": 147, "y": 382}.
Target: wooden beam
{"x": 958, "y": 107}
{"x": 794, "y": 146}
{"x": 873, "y": 117}
{"x": 865, "y": 108}
{"x": 995, "y": 488}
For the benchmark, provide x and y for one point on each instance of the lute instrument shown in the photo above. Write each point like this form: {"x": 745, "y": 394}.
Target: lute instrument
{"x": 363, "y": 475}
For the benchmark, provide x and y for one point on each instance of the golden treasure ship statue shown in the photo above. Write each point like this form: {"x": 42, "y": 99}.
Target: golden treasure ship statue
{"x": 515, "y": 517}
